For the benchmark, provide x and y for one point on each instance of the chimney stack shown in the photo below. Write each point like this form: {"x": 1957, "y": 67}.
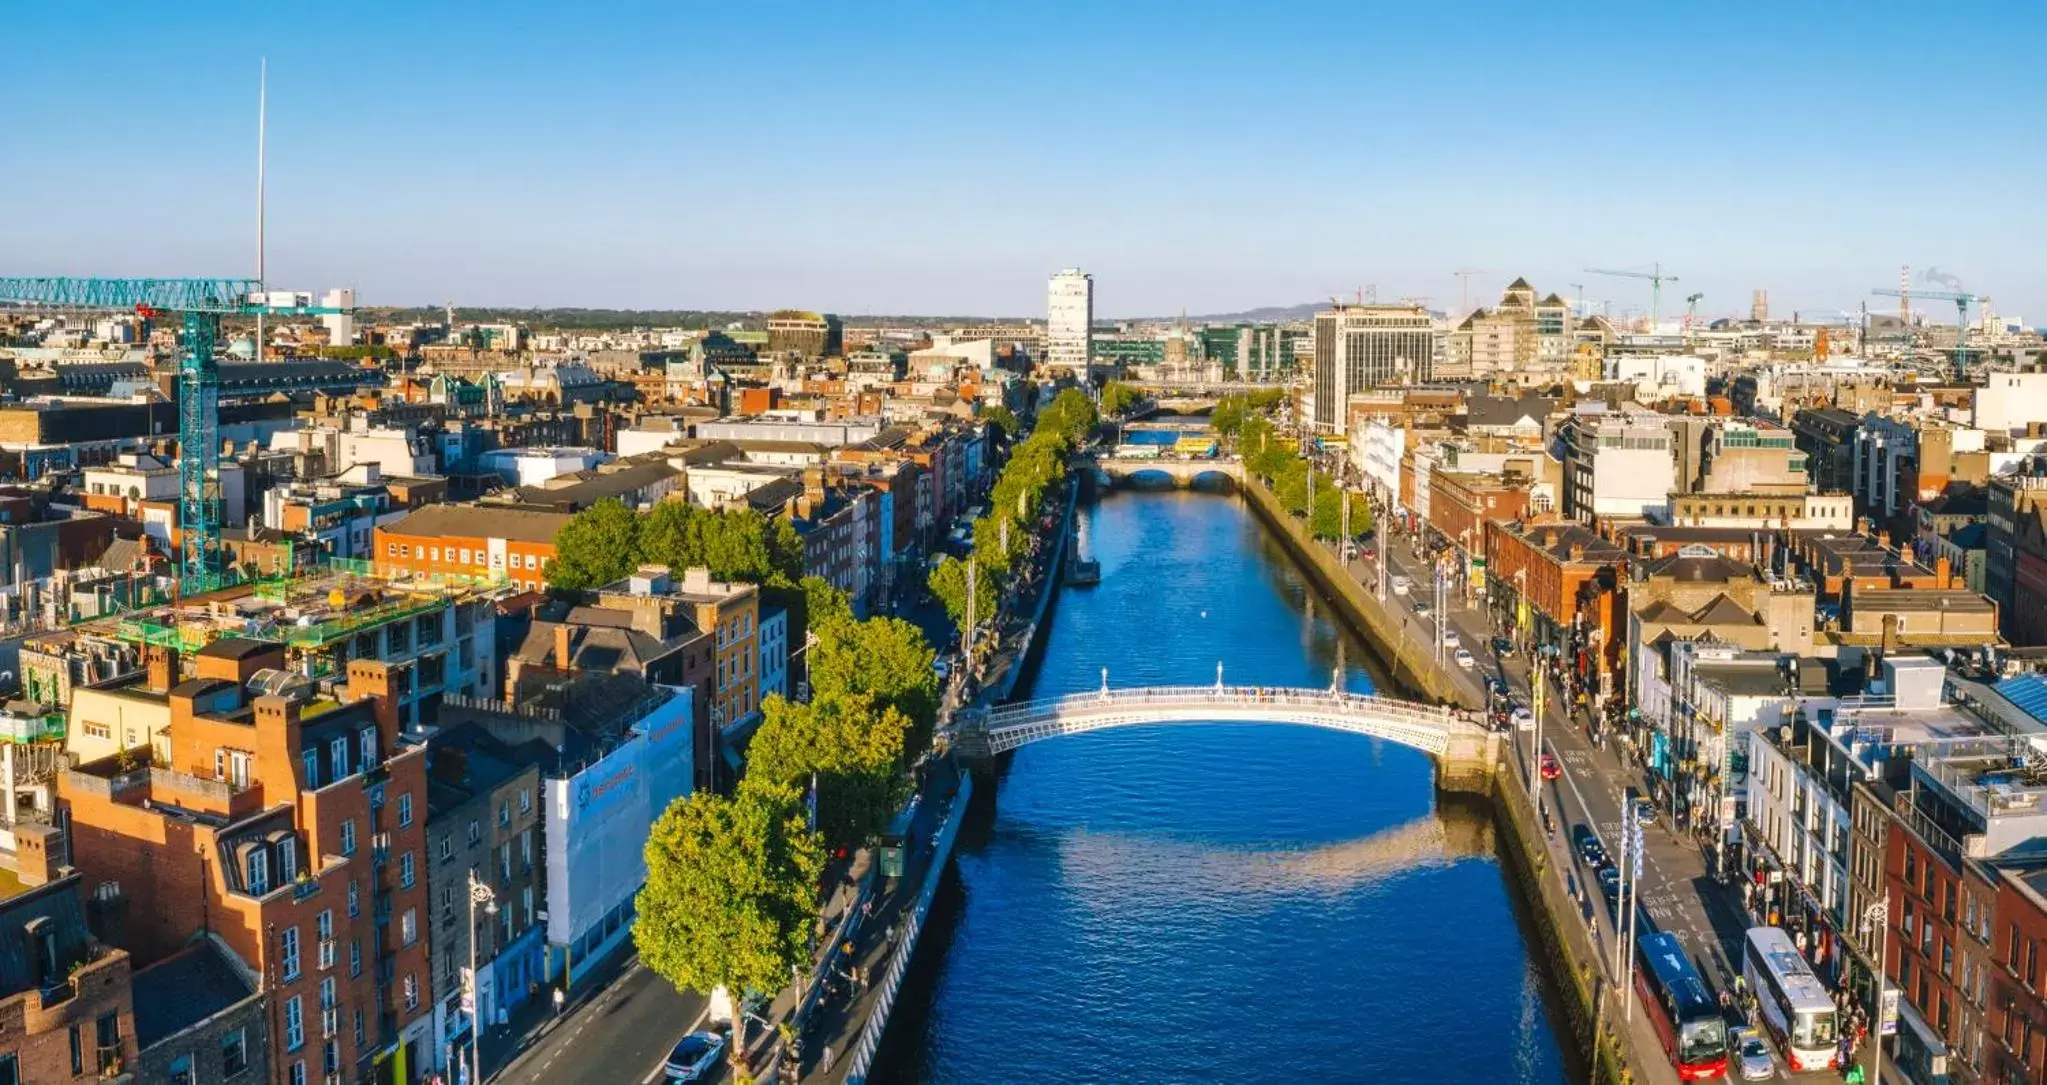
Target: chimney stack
{"x": 563, "y": 648}
{"x": 1943, "y": 570}
{"x": 162, "y": 661}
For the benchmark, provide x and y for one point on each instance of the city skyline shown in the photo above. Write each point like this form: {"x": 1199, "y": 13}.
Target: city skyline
{"x": 516, "y": 162}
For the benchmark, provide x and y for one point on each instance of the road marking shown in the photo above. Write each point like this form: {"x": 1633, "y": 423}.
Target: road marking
{"x": 662, "y": 1065}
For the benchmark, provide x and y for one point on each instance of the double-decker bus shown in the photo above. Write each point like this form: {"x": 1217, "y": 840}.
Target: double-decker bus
{"x": 1681, "y": 1006}
{"x": 1793, "y": 1003}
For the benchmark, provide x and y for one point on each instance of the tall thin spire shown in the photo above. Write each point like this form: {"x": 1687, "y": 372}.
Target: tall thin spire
{"x": 262, "y": 128}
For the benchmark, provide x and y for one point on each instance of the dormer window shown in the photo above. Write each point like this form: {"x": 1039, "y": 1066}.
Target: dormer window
{"x": 337, "y": 755}
{"x": 368, "y": 738}
{"x": 287, "y": 860}
{"x": 312, "y": 760}
{"x": 259, "y": 873}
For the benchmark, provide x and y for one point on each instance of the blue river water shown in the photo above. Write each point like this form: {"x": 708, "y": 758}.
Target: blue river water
{"x": 1218, "y": 902}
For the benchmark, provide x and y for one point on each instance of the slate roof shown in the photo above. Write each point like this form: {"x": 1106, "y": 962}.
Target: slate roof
{"x": 184, "y": 989}
{"x": 63, "y": 905}
{"x": 474, "y": 521}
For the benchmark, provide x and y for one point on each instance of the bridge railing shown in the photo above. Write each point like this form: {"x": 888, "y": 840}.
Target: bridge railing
{"x": 1234, "y": 696}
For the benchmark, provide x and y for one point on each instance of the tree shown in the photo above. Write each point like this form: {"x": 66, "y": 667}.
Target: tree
{"x": 597, "y": 546}
{"x": 1004, "y": 419}
{"x": 852, "y": 747}
{"x": 882, "y": 660}
{"x": 731, "y": 895}
{"x": 1118, "y": 398}
{"x": 949, "y": 584}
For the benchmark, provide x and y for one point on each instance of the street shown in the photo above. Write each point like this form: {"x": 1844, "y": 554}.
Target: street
{"x": 1675, "y": 893}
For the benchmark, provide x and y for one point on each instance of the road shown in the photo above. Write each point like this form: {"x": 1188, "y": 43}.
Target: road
{"x": 1675, "y": 892}
{"x": 623, "y": 1034}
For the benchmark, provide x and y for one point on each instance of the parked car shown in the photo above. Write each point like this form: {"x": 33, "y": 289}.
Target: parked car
{"x": 1451, "y": 639}
{"x": 1465, "y": 659}
{"x": 1588, "y": 845}
{"x": 1610, "y": 887}
{"x": 1524, "y": 720}
{"x": 1401, "y": 585}
{"x": 693, "y": 1056}
{"x": 1550, "y": 769}
{"x": 1752, "y": 1055}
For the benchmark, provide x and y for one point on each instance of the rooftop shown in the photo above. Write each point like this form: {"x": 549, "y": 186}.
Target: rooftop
{"x": 184, "y": 989}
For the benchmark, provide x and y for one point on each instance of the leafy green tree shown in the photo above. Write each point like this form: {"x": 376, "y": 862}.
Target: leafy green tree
{"x": 731, "y": 895}
{"x": 949, "y": 584}
{"x": 852, "y": 747}
{"x": 1004, "y": 419}
{"x": 885, "y": 661}
{"x": 597, "y": 546}
{"x": 1118, "y": 398}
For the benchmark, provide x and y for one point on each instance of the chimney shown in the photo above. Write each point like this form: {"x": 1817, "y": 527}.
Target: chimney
{"x": 563, "y": 647}
{"x": 162, "y": 661}
{"x": 1942, "y": 571}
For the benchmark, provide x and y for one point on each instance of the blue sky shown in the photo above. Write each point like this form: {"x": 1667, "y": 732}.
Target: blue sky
{"x": 896, "y": 157}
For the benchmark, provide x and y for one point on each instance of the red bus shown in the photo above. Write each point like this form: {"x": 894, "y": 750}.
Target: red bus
{"x": 1686, "y": 1015}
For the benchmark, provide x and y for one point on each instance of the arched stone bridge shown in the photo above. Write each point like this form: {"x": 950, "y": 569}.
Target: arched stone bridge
{"x": 1464, "y": 749}
{"x": 1182, "y": 472}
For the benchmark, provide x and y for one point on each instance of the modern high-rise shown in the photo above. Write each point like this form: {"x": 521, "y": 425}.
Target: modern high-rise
{"x": 1069, "y": 321}
{"x": 1358, "y": 347}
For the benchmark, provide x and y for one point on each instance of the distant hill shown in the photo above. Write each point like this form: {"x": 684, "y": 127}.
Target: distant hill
{"x": 1267, "y": 314}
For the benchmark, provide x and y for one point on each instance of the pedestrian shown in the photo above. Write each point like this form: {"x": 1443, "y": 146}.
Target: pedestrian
{"x": 824, "y": 1060}
{"x": 889, "y": 939}
{"x": 867, "y": 908}
{"x": 559, "y": 998}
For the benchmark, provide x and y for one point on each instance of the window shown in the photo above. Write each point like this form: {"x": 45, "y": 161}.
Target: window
{"x": 411, "y": 991}
{"x": 404, "y": 809}
{"x": 354, "y": 899}
{"x": 325, "y": 924}
{"x": 348, "y": 837}
{"x": 77, "y": 1051}
{"x": 405, "y": 871}
{"x": 327, "y": 999}
{"x": 525, "y": 799}
{"x": 2032, "y": 963}
{"x": 1911, "y": 867}
{"x": 526, "y": 906}
{"x": 354, "y": 957}
{"x": 1947, "y": 958}
{"x": 504, "y": 811}
{"x": 408, "y": 927}
{"x": 526, "y": 850}
{"x": 531, "y": 564}
{"x": 337, "y": 756}
{"x": 332, "y": 1057}
{"x": 234, "y": 1052}
{"x": 358, "y": 1030}
{"x": 505, "y": 862}
{"x": 288, "y": 951}
{"x": 287, "y": 860}
{"x": 447, "y": 846}
{"x": 298, "y": 1071}
{"x": 294, "y": 1028}
{"x": 475, "y": 830}
{"x": 259, "y": 872}
{"x": 367, "y": 738}
{"x": 390, "y": 550}
{"x": 312, "y": 760}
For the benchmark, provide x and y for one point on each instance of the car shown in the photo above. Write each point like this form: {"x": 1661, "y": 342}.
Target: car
{"x": 1502, "y": 646}
{"x": 1401, "y": 585}
{"x": 1423, "y": 610}
{"x": 1550, "y": 769}
{"x": 1524, "y": 720}
{"x": 1368, "y": 553}
{"x": 1610, "y": 886}
{"x": 1752, "y": 1055}
{"x": 693, "y": 1056}
{"x": 1451, "y": 639}
{"x": 1465, "y": 659}
{"x": 1589, "y": 847}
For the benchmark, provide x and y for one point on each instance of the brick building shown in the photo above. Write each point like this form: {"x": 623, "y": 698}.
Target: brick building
{"x": 288, "y": 821}
{"x": 66, "y": 1013}
{"x": 471, "y": 540}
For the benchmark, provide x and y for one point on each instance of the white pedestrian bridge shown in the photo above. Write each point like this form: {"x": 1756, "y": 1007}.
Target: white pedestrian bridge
{"x": 1465, "y": 750}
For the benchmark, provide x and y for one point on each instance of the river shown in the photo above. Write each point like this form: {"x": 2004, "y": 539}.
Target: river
{"x": 1224, "y": 902}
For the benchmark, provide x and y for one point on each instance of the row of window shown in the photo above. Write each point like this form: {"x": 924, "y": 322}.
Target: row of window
{"x": 465, "y": 555}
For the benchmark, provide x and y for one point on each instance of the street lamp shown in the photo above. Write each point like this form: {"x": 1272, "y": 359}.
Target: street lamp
{"x": 1877, "y": 916}
{"x": 479, "y": 893}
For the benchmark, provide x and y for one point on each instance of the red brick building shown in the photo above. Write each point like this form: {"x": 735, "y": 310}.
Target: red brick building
{"x": 66, "y": 1010}
{"x": 289, "y": 823}
{"x": 471, "y": 540}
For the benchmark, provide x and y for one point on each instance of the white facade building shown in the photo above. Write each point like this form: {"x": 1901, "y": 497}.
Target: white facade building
{"x": 1069, "y": 321}
{"x": 2007, "y": 401}
{"x": 1375, "y": 450}
{"x": 533, "y": 466}
{"x": 340, "y": 326}
{"x": 1660, "y": 376}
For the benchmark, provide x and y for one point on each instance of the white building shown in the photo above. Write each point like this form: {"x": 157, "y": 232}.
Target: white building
{"x": 1617, "y": 465}
{"x": 597, "y": 821}
{"x": 534, "y": 466}
{"x": 1375, "y": 450}
{"x": 340, "y": 326}
{"x": 1660, "y": 376}
{"x": 1069, "y": 321}
{"x": 2008, "y": 401}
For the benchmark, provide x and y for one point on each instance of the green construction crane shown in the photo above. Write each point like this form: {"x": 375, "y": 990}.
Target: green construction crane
{"x": 1656, "y": 279}
{"x": 1962, "y": 300}
{"x": 199, "y": 303}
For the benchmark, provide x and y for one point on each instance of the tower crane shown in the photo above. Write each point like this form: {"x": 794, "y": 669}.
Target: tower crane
{"x": 199, "y": 304}
{"x": 1691, "y": 315}
{"x": 1656, "y": 279}
{"x": 1962, "y": 300}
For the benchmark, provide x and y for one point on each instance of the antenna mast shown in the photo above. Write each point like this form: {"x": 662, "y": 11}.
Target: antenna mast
{"x": 262, "y": 128}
